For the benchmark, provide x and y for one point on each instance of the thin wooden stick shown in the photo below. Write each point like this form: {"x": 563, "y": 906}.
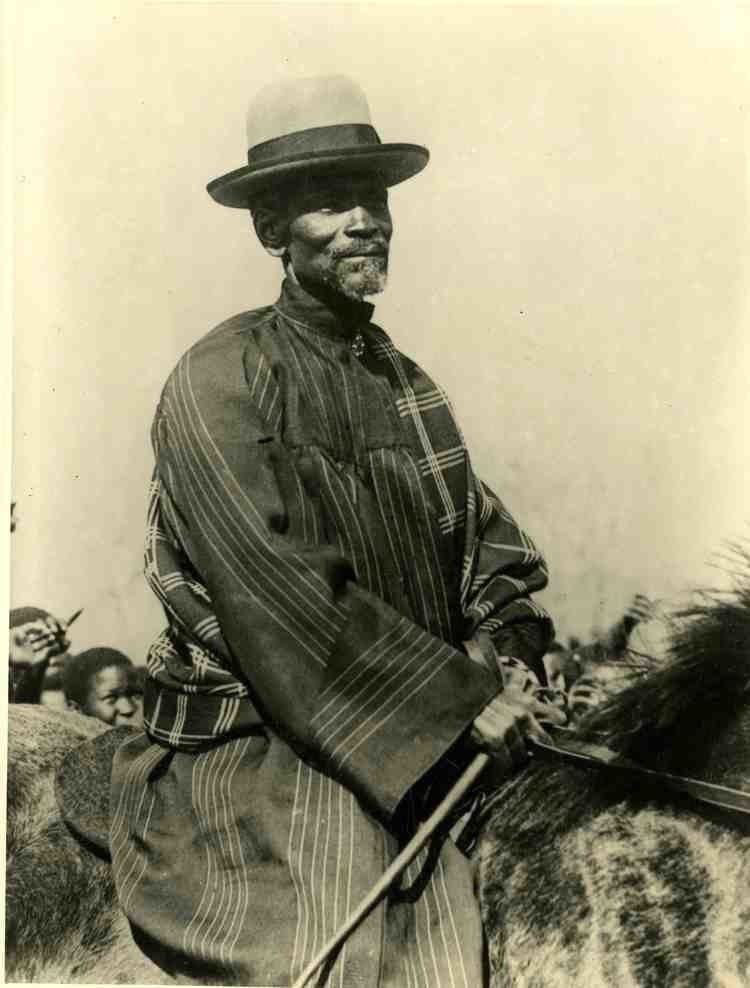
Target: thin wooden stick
{"x": 412, "y": 849}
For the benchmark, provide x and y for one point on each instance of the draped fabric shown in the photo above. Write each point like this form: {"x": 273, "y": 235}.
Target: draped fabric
{"x": 322, "y": 550}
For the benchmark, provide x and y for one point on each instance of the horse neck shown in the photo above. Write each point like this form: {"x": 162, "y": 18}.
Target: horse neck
{"x": 716, "y": 748}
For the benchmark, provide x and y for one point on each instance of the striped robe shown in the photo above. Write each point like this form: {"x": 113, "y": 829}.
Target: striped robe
{"x": 322, "y": 550}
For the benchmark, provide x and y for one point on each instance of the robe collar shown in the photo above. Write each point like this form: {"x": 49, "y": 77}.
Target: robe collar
{"x": 339, "y": 320}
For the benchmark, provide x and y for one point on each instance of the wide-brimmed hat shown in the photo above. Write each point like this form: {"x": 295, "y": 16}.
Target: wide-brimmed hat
{"x": 312, "y": 125}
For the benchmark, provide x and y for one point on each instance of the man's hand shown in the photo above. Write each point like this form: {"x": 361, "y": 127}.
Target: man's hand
{"x": 508, "y": 719}
{"x": 36, "y": 642}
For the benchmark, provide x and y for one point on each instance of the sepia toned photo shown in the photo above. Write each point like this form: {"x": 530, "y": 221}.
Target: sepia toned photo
{"x": 379, "y": 605}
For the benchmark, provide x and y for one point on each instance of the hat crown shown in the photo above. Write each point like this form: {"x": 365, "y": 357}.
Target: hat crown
{"x": 302, "y": 104}
{"x": 301, "y": 126}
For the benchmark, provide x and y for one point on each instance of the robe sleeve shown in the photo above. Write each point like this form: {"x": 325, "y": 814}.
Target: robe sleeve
{"x": 504, "y": 569}
{"x": 355, "y": 687}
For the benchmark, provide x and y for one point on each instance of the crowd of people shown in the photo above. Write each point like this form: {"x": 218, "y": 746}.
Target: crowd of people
{"x": 99, "y": 682}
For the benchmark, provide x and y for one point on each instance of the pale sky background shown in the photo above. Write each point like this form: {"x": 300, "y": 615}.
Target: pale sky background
{"x": 572, "y": 266}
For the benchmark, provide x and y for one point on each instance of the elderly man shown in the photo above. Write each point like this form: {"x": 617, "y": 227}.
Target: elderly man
{"x": 340, "y": 590}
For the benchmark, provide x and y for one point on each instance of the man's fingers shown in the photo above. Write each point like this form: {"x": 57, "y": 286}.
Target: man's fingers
{"x": 549, "y": 712}
{"x": 501, "y": 727}
{"x": 553, "y": 706}
{"x": 507, "y": 748}
{"x": 52, "y": 641}
{"x": 538, "y": 708}
{"x": 535, "y": 730}
{"x": 528, "y": 725}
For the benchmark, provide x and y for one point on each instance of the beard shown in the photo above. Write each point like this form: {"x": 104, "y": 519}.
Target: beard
{"x": 358, "y": 277}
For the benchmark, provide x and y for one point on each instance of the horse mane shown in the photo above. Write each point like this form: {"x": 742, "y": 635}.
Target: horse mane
{"x": 706, "y": 676}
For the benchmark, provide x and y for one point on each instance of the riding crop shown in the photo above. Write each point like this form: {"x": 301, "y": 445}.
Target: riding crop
{"x": 403, "y": 859}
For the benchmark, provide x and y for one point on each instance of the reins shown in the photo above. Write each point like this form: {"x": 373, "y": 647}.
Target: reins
{"x": 587, "y": 754}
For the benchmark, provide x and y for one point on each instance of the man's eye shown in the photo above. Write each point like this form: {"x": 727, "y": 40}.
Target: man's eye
{"x": 332, "y": 205}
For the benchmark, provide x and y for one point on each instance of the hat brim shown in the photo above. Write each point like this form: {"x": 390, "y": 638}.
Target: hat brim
{"x": 393, "y": 163}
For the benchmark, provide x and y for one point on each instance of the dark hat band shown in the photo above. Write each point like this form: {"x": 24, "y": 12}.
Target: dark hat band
{"x": 315, "y": 140}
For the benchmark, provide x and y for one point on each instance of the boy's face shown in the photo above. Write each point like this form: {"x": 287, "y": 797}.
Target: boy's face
{"x": 115, "y": 697}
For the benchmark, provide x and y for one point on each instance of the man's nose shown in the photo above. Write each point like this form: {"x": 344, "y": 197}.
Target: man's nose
{"x": 362, "y": 223}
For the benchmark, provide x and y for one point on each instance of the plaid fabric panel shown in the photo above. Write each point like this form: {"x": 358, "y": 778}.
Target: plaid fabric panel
{"x": 502, "y": 568}
{"x": 350, "y": 411}
{"x": 426, "y": 412}
{"x": 190, "y": 657}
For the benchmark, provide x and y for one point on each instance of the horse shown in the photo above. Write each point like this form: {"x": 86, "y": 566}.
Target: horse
{"x": 584, "y": 878}
{"x": 63, "y": 923}
{"x": 591, "y": 879}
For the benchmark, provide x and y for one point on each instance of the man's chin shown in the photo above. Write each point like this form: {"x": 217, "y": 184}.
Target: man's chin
{"x": 360, "y": 277}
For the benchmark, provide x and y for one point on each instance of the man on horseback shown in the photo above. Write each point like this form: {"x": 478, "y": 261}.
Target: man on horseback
{"x": 345, "y": 598}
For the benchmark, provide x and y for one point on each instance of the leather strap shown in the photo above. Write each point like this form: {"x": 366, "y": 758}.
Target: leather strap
{"x": 586, "y": 754}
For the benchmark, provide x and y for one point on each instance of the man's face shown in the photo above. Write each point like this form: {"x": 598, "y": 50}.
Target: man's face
{"x": 339, "y": 235}
{"x": 115, "y": 697}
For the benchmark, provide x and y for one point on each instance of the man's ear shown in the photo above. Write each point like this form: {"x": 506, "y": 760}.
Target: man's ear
{"x": 272, "y": 230}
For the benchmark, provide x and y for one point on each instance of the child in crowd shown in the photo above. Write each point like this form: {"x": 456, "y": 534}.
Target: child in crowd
{"x": 104, "y": 683}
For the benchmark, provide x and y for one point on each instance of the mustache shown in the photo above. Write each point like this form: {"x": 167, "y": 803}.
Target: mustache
{"x": 365, "y": 250}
